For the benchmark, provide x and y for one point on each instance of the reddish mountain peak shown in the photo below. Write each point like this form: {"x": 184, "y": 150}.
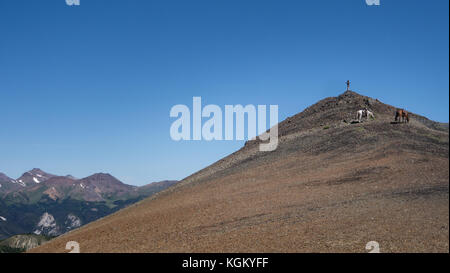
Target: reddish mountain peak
{"x": 8, "y": 184}
{"x": 104, "y": 181}
{"x": 4, "y": 178}
{"x": 102, "y": 177}
{"x": 37, "y": 171}
{"x": 34, "y": 176}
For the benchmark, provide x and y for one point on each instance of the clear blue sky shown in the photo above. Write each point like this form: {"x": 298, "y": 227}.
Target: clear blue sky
{"x": 88, "y": 89}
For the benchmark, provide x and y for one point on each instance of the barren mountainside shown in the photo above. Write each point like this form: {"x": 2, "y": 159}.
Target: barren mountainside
{"x": 331, "y": 186}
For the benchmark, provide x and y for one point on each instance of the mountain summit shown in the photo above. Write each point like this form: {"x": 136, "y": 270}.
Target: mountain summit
{"x": 7, "y": 183}
{"x": 34, "y": 176}
{"x": 332, "y": 185}
{"x": 337, "y": 112}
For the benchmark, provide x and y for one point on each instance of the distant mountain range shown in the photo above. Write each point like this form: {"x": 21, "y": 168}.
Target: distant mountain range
{"x": 47, "y": 204}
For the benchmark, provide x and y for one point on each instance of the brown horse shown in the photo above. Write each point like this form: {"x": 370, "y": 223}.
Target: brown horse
{"x": 401, "y": 115}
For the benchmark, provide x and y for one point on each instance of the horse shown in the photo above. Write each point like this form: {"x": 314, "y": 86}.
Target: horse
{"x": 401, "y": 115}
{"x": 359, "y": 115}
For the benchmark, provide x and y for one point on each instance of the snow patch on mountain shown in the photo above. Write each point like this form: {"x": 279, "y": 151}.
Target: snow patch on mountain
{"x": 36, "y": 180}
{"x": 3, "y": 218}
{"x": 20, "y": 182}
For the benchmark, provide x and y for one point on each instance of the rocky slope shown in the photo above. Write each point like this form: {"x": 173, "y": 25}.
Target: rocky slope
{"x": 330, "y": 186}
{"x": 20, "y": 243}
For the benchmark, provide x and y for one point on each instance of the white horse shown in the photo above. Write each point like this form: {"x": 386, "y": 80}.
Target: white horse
{"x": 364, "y": 113}
{"x": 360, "y": 114}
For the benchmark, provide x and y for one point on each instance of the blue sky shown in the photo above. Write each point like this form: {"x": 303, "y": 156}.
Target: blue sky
{"x": 89, "y": 88}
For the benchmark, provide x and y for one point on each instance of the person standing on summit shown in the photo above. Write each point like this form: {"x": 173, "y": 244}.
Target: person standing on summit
{"x": 348, "y": 85}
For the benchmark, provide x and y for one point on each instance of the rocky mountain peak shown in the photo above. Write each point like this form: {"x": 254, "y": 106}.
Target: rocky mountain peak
{"x": 34, "y": 176}
{"x": 5, "y": 178}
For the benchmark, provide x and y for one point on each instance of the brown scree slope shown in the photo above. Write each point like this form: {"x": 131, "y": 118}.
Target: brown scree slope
{"x": 331, "y": 186}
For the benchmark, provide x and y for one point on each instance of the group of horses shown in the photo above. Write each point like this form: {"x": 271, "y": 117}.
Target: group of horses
{"x": 364, "y": 113}
{"x": 400, "y": 115}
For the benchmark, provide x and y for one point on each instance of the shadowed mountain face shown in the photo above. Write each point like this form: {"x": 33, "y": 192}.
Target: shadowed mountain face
{"x": 330, "y": 186}
{"x": 46, "y": 204}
